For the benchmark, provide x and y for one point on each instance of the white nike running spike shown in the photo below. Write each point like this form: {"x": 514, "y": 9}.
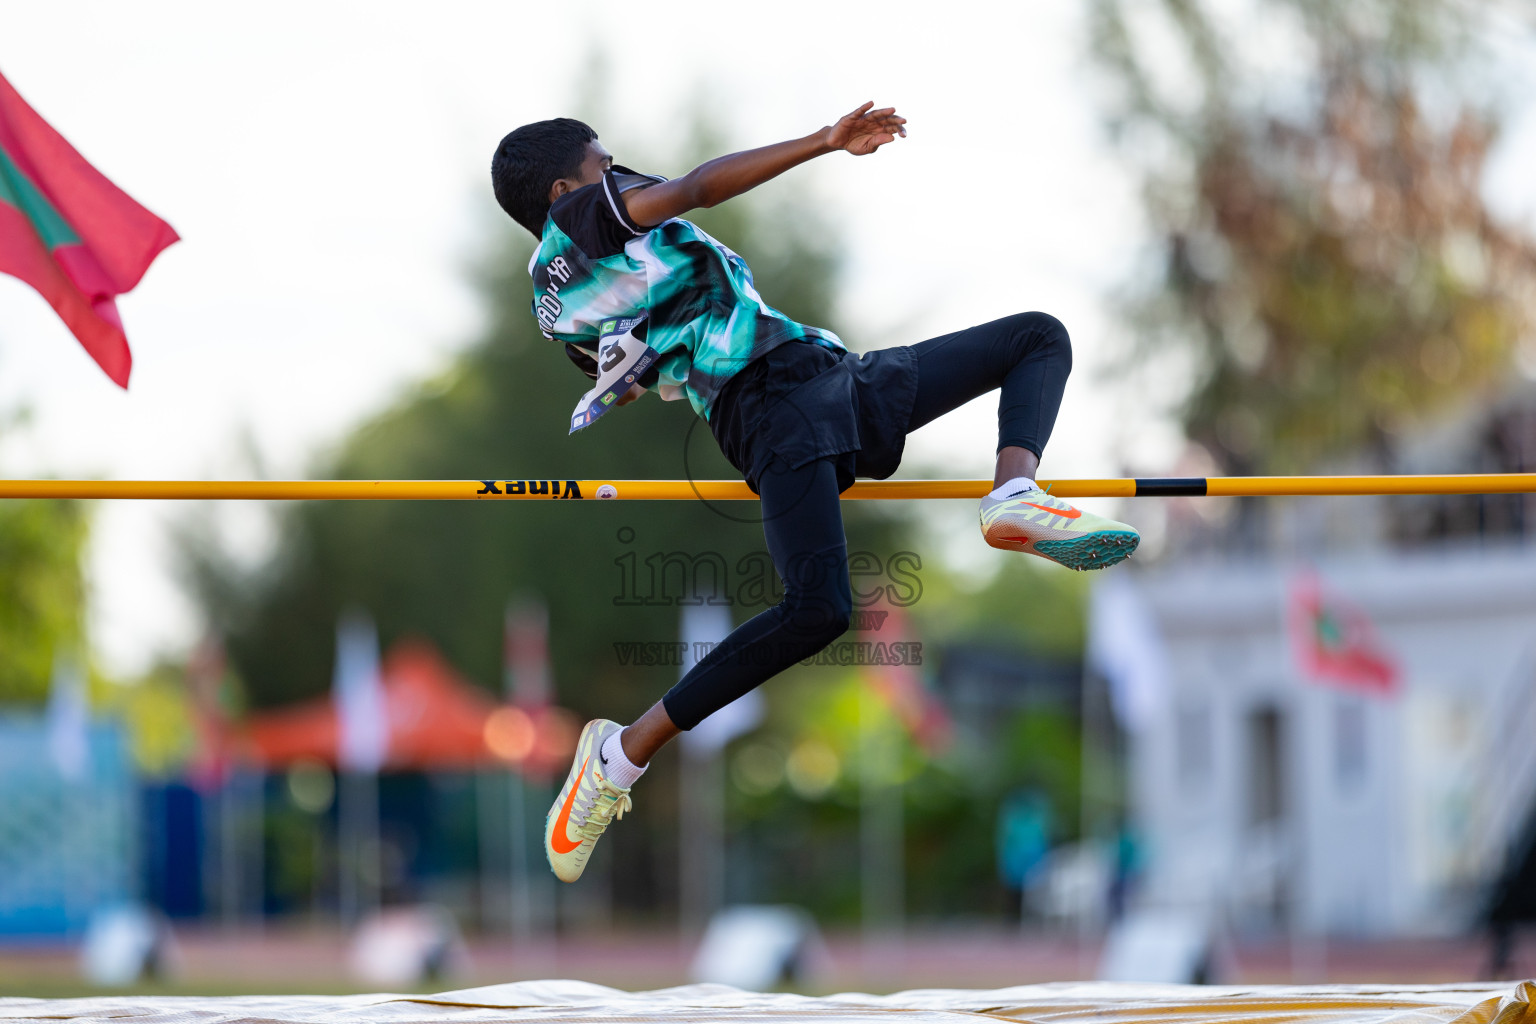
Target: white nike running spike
{"x": 1034, "y": 522}
{"x": 585, "y": 806}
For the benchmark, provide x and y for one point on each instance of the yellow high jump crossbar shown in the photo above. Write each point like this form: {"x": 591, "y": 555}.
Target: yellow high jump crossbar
{"x": 736, "y": 490}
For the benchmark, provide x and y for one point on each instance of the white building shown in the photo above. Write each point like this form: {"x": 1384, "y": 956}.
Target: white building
{"x": 1266, "y": 797}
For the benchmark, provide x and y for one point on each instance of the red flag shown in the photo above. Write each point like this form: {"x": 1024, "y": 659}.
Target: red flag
{"x": 1334, "y": 641}
{"x": 70, "y": 233}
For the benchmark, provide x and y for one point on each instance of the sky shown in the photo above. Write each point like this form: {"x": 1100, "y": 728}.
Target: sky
{"x": 327, "y": 168}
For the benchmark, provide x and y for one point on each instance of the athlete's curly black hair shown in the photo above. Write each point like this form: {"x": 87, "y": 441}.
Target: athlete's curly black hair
{"x": 531, "y": 159}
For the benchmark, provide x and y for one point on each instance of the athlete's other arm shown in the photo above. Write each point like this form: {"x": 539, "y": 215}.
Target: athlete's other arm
{"x": 861, "y": 132}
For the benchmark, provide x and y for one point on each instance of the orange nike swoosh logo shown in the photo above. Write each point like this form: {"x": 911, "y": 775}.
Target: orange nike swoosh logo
{"x": 558, "y": 840}
{"x": 1065, "y": 513}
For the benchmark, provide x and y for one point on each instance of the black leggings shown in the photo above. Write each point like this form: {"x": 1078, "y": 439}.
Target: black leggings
{"x": 1028, "y": 356}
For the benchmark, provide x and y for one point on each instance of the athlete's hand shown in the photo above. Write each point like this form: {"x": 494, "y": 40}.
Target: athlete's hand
{"x": 634, "y": 392}
{"x": 866, "y": 130}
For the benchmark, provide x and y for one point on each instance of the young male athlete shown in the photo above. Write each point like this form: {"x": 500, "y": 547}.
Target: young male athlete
{"x": 646, "y": 301}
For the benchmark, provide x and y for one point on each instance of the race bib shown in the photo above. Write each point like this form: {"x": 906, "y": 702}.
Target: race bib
{"x": 622, "y": 359}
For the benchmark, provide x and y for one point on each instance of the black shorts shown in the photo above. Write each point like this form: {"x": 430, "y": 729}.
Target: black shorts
{"x": 800, "y": 402}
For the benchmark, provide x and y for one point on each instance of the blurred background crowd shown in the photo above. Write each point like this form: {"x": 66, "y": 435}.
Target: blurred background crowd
{"x": 1291, "y": 741}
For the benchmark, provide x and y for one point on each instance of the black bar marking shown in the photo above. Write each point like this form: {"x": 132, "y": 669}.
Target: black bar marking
{"x": 1170, "y": 487}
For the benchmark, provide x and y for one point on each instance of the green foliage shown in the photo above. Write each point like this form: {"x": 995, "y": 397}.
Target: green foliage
{"x": 952, "y": 808}
{"x": 1331, "y": 276}
{"x": 1029, "y": 605}
{"x": 1043, "y": 750}
{"x": 159, "y": 718}
{"x": 42, "y": 593}
{"x": 799, "y": 845}
{"x": 803, "y": 847}
{"x": 292, "y": 856}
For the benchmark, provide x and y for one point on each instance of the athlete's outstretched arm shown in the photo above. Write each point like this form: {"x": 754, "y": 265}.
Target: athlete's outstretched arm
{"x": 860, "y": 133}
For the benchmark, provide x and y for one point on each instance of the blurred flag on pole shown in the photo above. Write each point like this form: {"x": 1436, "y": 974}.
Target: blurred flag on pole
{"x": 892, "y": 672}
{"x": 530, "y": 732}
{"x": 1126, "y": 648}
{"x": 361, "y": 717}
{"x": 701, "y": 780}
{"x": 70, "y": 233}
{"x": 68, "y": 720}
{"x": 1334, "y": 641}
{"x": 525, "y": 653}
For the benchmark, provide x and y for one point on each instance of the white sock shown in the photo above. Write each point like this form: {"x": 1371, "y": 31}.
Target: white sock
{"x": 617, "y": 767}
{"x": 1014, "y": 486}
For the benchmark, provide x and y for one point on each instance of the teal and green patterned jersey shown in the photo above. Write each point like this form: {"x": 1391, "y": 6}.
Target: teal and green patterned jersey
{"x": 702, "y": 314}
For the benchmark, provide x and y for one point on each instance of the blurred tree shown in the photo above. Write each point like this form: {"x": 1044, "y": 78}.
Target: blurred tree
{"x": 159, "y": 717}
{"x": 1331, "y": 274}
{"x": 953, "y": 611}
{"x": 797, "y": 843}
{"x": 42, "y": 593}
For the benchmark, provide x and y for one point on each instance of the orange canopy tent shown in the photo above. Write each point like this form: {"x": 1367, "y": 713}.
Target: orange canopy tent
{"x": 437, "y": 719}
